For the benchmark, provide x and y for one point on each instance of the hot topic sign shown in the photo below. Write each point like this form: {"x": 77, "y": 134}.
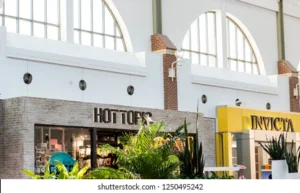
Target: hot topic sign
{"x": 113, "y": 115}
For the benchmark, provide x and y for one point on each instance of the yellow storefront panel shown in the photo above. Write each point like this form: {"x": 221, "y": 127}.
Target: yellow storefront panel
{"x": 238, "y": 120}
{"x": 226, "y": 120}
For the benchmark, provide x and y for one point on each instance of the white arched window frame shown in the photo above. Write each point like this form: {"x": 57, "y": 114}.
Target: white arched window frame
{"x": 241, "y": 56}
{"x": 200, "y": 42}
{"x": 203, "y": 44}
{"x": 39, "y": 18}
{"x": 96, "y": 25}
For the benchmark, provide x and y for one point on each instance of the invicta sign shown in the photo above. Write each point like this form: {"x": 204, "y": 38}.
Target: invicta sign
{"x": 272, "y": 123}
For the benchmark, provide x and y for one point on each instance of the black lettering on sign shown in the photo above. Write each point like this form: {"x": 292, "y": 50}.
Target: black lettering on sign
{"x": 106, "y": 116}
{"x": 130, "y": 118}
{"x": 275, "y": 124}
{"x": 254, "y": 122}
{"x": 113, "y": 115}
{"x": 271, "y": 123}
{"x": 123, "y": 116}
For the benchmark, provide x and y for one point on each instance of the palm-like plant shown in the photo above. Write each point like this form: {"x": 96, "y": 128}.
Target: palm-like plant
{"x": 192, "y": 158}
{"x": 148, "y": 154}
{"x": 291, "y": 160}
{"x": 62, "y": 172}
{"x": 276, "y": 147}
{"x": 191, "y": 167}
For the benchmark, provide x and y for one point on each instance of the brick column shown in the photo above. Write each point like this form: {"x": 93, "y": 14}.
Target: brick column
{"x": 162, "y": 44}
{"x": 285, "y": 68}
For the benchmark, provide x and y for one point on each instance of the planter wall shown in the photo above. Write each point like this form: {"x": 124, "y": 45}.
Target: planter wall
{"x": 280, "y": 170}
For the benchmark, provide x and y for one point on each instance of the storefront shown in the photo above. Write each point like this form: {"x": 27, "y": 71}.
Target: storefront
{"x": 240, "y": 130}
{"x": 34, "y": 129}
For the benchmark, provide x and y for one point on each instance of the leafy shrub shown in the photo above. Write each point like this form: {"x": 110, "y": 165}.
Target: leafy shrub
{"x": 61, "y": 173}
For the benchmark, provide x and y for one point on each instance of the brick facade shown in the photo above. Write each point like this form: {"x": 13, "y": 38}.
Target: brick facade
{"x": 1, "y": 136}
{"x": 162, "y": 44}
{"x": 285, "y": 68}
{"x": 20, "y": 115}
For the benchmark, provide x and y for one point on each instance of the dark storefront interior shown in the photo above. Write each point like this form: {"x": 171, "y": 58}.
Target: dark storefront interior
{"x": 81, "y": 143}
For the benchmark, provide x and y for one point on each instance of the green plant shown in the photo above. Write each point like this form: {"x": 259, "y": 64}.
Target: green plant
{"x": 110, "y": 173}
{"x": 298, "y": 154}
{"x": 47, "y": 175}
{"x": 276, "y": 147}
{"x": 62, "y": 172}
{"x": 215, "y": 176}
{"x": 191, "y": 167}
{"x": 291, "y": 160}
{"x": 147, "y": 154}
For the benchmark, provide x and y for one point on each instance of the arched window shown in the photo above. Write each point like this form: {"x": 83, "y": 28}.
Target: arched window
{"x": 240, "y": 54}
{"x": 39, "y": 18}
{"x": 200, "y": 42}
{"x": 203, "y": 42}
{"x": 95, "y": 25}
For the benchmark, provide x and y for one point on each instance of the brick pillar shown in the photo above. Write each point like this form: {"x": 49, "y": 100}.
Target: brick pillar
{"x": 285, "y": 68}
{"x": 162, "y": 44}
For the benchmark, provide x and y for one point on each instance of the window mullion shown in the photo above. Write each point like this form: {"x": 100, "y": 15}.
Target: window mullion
{"x": 115, "y": 34}
{"x": 190, "y": 43}
{"x": 236, "y": 47}
{"x": 3, "y": 16}
{"x": 228, "y": 43}
{"x": 92, "y": 22}
{"x": 198, "y": 34}
{"x": 207, "y": 38}
{"x": 32, "y": 16}
{"x": 79, "y": 21}
{"x": 103, "y": 22}
{"x": 59, "y": 20}
{"x": 216, "y": 44}
{"x": 244, "y": 54}
{"x": 18, "y": 16}
{"x": 45, "y": 12}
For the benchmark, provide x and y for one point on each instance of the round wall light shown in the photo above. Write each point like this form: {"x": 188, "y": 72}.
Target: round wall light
{"x": 130, "y": 90}
{"x": 82, "y": 85}
{"x": 27, "y": 78}
{"x": 238, "y": 102}
{"x": 268, "y": 106}
{"x": 204, "y": 99}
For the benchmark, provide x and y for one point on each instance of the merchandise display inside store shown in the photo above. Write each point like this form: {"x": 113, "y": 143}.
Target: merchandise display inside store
{"x": 76, "y": 143}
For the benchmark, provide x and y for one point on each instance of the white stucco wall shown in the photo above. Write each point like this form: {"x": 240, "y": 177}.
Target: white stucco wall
{"x": 57, "y": 68}
{"x": 223, "y": 89}
{"x": 137, "y": 15}
{"x": 292, "y": 40}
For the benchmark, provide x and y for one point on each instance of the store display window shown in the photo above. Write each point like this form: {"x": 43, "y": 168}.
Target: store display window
{"x": 73, "y": 141}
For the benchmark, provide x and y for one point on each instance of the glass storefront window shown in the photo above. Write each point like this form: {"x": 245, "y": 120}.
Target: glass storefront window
{"x": 73, "y": 141}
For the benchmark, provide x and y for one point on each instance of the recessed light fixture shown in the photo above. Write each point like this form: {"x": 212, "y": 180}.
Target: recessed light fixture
{"x": 130, "y": 90}
{"x": 82, "y": 85}
{"x": 27, "y": 78}
{"x": 204, "y": 99}
{"x": 268, "y": 106}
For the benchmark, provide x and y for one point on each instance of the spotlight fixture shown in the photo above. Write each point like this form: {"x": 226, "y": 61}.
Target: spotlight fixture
{"x": 238, "y": 102}
{"x": 179, "y": 54}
